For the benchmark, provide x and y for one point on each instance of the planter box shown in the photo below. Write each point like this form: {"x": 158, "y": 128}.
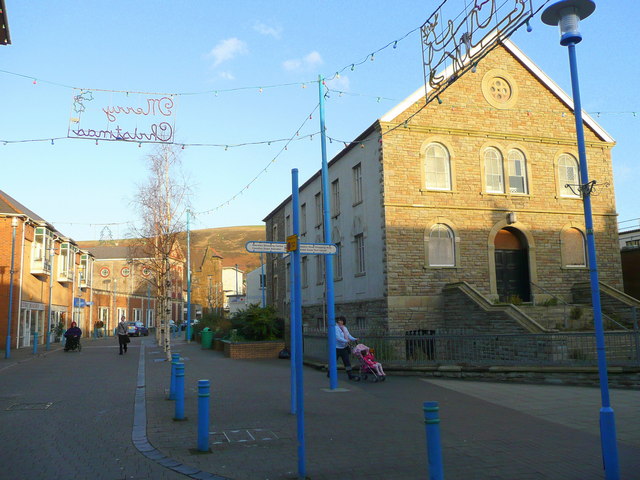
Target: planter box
{"x": 265, "y": 349}
{"x": 218, "y": 345}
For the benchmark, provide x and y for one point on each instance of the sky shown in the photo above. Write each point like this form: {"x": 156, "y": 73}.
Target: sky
{"x": 243, "y": 78}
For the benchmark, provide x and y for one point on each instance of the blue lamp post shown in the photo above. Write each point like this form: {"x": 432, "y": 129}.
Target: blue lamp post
{"x": 567, "y": 15}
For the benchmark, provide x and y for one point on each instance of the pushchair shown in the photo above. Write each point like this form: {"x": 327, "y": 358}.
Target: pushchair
{"x": 369, "y": 366}
{"x": 72, "y": 344}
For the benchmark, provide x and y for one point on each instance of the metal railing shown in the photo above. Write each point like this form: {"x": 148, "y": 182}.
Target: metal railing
{"x": 556, "y": 349}
{"x": 613, "y": 323}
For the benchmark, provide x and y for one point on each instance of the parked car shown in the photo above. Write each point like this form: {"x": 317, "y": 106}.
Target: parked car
{"x": 135, "y": 329}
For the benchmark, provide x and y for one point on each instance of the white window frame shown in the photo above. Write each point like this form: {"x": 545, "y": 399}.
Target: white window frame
{"x": 436, "y": 243}
{"x": 360, "y": 264}
{"x": 149, "y": 320}
{"x": 303, "y": 219}
{"x": 437, "y": 167}
{"x": 85, "y": 272}
{"x": 41, "y": 250}
{"x": 335, "y": 198}
{"x": 493, "y": 170}
{"x": 518, "y": 161}
{"x": 563, "y": 168}
{"x": 67, "y": 262}
{"x": 357, "y": 184}
{"x": 318, "y": 205}
{"x": 337, "y": 263}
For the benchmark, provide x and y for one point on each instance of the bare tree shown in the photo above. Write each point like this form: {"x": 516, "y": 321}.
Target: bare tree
{"x": 162, "y": 201}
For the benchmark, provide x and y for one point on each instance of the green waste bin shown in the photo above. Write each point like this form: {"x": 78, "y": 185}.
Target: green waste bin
{"x": 206, "y": 337}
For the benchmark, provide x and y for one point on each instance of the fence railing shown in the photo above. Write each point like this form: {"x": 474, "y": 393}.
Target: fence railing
{"x": 561, "y": 349}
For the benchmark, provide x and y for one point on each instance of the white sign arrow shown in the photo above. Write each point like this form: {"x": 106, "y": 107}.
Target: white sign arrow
{"x": 266, "y": 247}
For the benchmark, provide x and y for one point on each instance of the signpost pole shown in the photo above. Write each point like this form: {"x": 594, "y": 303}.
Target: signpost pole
{"x": 331, "y": 319}
{"x": 298, "y": 323}
{"x": 188, "y": 330}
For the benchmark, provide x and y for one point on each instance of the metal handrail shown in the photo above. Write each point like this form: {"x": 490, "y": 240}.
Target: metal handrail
{"x": 604, "y": 315}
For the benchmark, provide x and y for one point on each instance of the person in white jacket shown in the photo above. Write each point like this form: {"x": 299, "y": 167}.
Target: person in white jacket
{"x": 343, "y": 337}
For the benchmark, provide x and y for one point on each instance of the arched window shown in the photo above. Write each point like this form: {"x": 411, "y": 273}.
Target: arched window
{"x": 437, "y": 167}
{"x": 493, "y": 171}
{"x": 573, "y": 248}
{"x": 568, "y": 174}
{"x": 441, "y": 246}
{"x": 517, "y": 172}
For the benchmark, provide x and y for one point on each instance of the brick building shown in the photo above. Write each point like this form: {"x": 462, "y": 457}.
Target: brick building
{"x": 50, "y": 274}
{"x": 472, "y": 201}
{"x": 56, "y": 280}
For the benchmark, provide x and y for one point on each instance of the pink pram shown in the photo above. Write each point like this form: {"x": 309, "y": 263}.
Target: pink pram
{"x": 368, "y": 364}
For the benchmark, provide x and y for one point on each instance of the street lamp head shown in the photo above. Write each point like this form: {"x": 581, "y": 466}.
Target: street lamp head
{"x": 567, "y": 15}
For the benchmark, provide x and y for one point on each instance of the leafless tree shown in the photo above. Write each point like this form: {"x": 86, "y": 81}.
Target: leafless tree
{"x": 162, "y": 201}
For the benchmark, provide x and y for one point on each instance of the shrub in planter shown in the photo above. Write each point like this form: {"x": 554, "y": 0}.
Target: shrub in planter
{"x": 257, "y": 323}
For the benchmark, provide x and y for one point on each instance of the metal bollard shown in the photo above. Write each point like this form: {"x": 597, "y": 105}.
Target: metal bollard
{"x": 203, "y": 415}
{"x": 434, "y": 449}
{"x": 179, "y": 410}
{"x": 35, "y": 342}
{"x": 175, "y": 358}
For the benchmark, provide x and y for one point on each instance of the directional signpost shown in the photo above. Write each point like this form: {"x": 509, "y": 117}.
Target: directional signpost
{"x": 281, "y": 247}
{"x": 296, "y": 249}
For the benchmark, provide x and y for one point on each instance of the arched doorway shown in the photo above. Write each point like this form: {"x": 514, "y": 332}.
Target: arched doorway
{"x": 512, "y": 265}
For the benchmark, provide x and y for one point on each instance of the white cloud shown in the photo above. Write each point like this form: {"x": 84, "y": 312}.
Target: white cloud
{"x": 264, "y": 29}
{"x": 342, "y": 83}
{"x": 308, "y": 62}
{"x": 227, "y": 75}
{"x": 227, "y": 49}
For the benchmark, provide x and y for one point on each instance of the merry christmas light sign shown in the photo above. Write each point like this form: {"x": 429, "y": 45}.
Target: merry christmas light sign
{"x": 122, "y": 116}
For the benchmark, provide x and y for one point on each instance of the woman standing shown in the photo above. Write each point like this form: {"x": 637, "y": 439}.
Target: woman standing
{"x": 343, "y": 337}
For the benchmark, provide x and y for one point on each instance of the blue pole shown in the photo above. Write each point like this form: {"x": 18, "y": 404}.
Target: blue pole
{"x": 179, "y": 406}
{"x": 35, "y": 342}
{"x": 607, "y": 418}
{"x": 298, "y": 323}
{"x": 203, "y": 415}
{"x": 175, "y": 358}
{"x": 434, "y": 449}
{"x": 50, "y": 317}
{"x": 14, "y": 224}
{"x": 331, "y": 314}
{"x": 293, "y": 328}
{"x": 188, "y": 330}
{"x": 263, "y": 283}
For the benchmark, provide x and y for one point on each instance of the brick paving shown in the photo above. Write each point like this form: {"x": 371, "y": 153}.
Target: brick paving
{"x": 364, "y": 431}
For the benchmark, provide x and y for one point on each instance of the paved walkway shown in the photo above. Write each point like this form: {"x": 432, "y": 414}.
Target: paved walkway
{"x": 364, "y": 431}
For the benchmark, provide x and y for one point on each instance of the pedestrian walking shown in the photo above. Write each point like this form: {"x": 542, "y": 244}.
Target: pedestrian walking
{"x": 123, "y": 336}
{"x": 343, "y": 337}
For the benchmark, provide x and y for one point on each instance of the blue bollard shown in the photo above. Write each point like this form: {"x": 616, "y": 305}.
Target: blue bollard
{"x": 35, "y": 342}
{"x": 179, "y": 410}
{"x": 203, "y": 415}
{"x": 175, "y": 358}
{"x": 434, "y": 449}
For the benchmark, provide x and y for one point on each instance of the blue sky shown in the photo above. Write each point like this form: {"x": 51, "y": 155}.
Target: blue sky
{"x": 241, "y": 50}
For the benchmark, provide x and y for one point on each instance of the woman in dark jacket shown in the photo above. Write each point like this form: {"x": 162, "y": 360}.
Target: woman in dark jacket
{"x": 73, "y": 337}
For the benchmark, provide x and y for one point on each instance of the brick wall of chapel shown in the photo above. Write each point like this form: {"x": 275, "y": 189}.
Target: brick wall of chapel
{"x": 466, "y": 124}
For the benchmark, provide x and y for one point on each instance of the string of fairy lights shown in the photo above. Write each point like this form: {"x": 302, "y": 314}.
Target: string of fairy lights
{"x": 296, "y": 136}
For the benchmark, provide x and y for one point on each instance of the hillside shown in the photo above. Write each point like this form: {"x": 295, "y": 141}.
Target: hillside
{"x": 228, "y": 242}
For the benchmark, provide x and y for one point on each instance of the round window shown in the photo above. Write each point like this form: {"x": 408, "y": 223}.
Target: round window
{"x": 499, "y": 89}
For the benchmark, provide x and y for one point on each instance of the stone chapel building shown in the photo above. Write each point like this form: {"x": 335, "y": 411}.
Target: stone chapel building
{"x": 441, "y": 213}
